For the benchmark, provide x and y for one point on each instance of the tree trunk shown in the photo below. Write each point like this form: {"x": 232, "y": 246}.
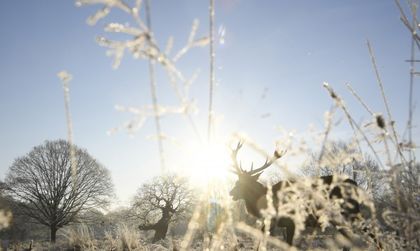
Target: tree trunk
{"x": 161, "y": 229}
{"x": 53, "y": 233}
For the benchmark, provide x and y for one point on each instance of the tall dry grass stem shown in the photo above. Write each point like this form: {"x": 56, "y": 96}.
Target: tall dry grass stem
{"x": 339, "y": 102}
{"x": 394, "y": 137}
{"x": 328, "y": 128}
{"x": 65, "y": 78}
{"x": 153, "y": 91}
{"x": 355, "y": 127}
{"x": 354, "y": 93}
{"x": 411, "y": 27}
{"x": 412, "y": 75}
{"x": 192, "y": 227}
{"x": 212, "y": 72}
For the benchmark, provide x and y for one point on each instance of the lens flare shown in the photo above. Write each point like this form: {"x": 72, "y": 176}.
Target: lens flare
{"x": 206, "y": 163}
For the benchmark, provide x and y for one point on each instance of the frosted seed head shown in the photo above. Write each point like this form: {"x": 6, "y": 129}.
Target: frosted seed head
{"x": 330, "y": 90}
{"x": 64, "y": 76}
{"x": 380, "y": 121}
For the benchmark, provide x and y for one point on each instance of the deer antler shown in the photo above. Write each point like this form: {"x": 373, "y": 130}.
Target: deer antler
{"x": 237, "y": 167}
{"x": 268, "y": 162}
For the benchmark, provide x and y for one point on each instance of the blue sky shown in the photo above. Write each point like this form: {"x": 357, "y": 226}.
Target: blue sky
{"x": 269, "y": 72}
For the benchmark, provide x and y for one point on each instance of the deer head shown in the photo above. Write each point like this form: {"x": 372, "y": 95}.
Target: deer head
{"x": 247, "y": 187}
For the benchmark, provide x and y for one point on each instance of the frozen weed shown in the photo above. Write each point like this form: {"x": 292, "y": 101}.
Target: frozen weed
{"x": 80, "y": 237}
{"x": 143, "y": 45}
{"x": 128, "y": 238}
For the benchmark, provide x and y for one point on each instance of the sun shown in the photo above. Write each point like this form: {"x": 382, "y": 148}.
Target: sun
{"x": 205, "y": 163}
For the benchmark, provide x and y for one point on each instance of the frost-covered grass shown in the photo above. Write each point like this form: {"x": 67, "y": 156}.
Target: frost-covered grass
{"x": 378, "y": 157}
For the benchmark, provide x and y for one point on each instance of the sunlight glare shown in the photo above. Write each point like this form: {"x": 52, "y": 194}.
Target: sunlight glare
{"x": 206, "y": 163}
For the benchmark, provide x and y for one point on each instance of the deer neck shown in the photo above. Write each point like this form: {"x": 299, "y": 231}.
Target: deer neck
{"x": 255, "y": 199}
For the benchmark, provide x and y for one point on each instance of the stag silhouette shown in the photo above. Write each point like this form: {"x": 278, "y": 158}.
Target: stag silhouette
{"x": 254, "y": 194}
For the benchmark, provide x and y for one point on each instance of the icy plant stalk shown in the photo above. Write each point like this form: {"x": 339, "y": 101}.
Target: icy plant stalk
{"x": 412, "y": 74}
{"x": 212, "y": 73}
{"x": 192, "y": 227}
{"x": 154, "y": 94}
{"x": 415, "y": 42}
{"x": 328, "y": 126}
{"x": 65, "y": 78}
{"x": 143, "y": 45}
{"x": 268, "y": 213}
{"x": 355, "y": 127}
{"x": 410, "y": 103}
{"x": 395, "y": 138}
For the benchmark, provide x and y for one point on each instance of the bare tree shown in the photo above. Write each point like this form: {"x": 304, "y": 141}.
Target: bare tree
{"x": 164, "y": 200}
{"x": 340, "y": 157}
{"x": 50, "y": 192}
